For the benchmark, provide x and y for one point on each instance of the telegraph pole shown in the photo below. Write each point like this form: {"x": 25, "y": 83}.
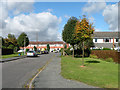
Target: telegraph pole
{"x": 37, "y": 39}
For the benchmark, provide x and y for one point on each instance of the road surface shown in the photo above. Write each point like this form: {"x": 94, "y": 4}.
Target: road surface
{"x": 16, "y": 73}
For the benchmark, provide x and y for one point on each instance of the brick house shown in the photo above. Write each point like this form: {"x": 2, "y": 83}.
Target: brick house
{"x": 57, "y": 45}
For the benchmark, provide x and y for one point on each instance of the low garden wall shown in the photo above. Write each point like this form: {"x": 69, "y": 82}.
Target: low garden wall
{"x": 107, "y": 54}
{"x": 7, "y": 51}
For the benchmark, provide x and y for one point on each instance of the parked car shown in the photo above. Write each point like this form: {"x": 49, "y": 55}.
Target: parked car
{"x": 46, "y": 52}
{"x": 21, "y": 50}
{"x": 31, "y": 53}
{"x": 55, "y": 51}
{"x": 42, "y": 51}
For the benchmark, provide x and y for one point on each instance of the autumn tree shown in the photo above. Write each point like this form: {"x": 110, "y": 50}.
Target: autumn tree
{"x": 83, "y": 32}
{"x": 68, "y": 32}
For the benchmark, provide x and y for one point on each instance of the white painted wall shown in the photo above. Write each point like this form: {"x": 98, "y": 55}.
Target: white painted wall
{"x": 101, "y": 41}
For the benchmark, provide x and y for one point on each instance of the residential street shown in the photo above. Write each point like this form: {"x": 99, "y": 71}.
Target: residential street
{"x": 16, "y": 73}
{"x": 50, "y": 77}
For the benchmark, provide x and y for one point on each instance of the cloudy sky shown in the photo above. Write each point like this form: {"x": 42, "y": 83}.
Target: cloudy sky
{"x": 47, "y": 19}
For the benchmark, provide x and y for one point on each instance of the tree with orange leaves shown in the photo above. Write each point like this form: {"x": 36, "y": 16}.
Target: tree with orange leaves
{"x": 83, "y": 32}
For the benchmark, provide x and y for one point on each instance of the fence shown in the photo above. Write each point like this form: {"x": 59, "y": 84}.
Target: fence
{"x": 107, "y": 54}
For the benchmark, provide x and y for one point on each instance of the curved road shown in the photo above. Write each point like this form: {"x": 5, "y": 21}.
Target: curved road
{"x": 16, "y": 73}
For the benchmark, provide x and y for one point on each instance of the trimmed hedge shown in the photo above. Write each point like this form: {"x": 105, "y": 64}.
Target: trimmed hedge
{"x": 104, "y": 54}
{"x": 7, "y": 51}
{"x": 78, "y": 52}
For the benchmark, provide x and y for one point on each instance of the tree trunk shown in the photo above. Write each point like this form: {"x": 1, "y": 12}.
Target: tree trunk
{"x": 63, "y": 52}
{"x": 83, "y": 54}
{"x": 73, "y": 50}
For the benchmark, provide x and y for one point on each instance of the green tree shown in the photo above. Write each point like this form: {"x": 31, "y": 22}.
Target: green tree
{"x": 35, "y": 49}
{"x": 48, "y": 47}
{"x": 2, "y": 42}
{"x": 65, "y": 46}
{"x": 87, "y": 44}
{"x": 68, "y": 32}
{"x": 83, "y": 32}
{"x": 23, "y": 39}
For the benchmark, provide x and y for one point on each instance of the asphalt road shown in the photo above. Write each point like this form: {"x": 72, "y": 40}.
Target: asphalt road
{"x": 16, "y": 73}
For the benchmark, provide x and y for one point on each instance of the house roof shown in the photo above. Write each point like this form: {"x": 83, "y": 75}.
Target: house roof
{"x": 47, "y": 42}
{"x": 106, "y": 34}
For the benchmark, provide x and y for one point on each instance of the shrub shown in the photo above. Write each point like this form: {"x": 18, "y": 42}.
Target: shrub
{"x": 93, "y": 56}
{"x": 68, "y": 52}
{"x": 106, "y": 49}
{"x": 109, "y": 60}
{"x": 27, "y": 50}
{"x": 61, "y": 50}
{"x": 87, "y": 52}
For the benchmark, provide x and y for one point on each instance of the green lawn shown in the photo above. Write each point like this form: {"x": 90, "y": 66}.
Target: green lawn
{"x": 97, "y": 72}
{"x": 10, "y": 56}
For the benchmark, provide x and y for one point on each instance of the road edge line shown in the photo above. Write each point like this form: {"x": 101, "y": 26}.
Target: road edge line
{"x": 30, "y": 85}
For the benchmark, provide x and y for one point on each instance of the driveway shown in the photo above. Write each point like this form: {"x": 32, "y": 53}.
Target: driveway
{"x": 50, "y": 77}
{"x": 16, "y": 73}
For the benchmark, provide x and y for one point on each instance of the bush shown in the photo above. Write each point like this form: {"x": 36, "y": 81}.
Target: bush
{"x": 68, "y": 52}
{"x": 61, "y": 50}
{"x": 27, "y": 50}
{"x": 109, "y": 60}
{"x": 106, "y": 49}
{"x": 93, "y": 56}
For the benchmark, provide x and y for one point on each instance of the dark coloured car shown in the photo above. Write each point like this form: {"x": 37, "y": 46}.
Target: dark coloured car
{"x": 46, "y": 52}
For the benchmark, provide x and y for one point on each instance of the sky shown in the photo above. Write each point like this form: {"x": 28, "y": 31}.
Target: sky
{"x": 47, "y": 19}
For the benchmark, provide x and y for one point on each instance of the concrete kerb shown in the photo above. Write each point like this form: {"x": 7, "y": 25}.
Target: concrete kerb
{"x": 11, "y": 59}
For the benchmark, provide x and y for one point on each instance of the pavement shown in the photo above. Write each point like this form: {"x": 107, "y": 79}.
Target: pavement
{"x": 50, "y": 77}
{"x": 16, "y": 73}
{"x": 13, "y": 58}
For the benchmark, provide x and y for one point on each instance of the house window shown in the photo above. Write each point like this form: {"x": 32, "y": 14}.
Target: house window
{"x": 95, "y": 39}
{"x": 106, "y": 40}
{"x": 117, "y": 39}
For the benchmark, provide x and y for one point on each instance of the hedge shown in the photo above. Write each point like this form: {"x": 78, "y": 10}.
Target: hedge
{"x": 7, "y": 51}
{"x": 104, "y": 54}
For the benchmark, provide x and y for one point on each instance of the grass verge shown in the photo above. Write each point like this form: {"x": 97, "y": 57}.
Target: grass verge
{"x": 96, "y": 73}
{"x": 10, "y": 56}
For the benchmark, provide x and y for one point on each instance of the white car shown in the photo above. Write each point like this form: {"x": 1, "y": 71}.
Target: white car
{"x": 20, "y": 50}
{"x": 116, "y": 48}
{"x": 31, "y": 53}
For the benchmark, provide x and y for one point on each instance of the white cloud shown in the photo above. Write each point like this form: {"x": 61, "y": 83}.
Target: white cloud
{"x": 93, "y": 7}
{"x": 14, "y": 8}
{"x": 45, "y": 24}
{"x": 18, "y": 7}
{"x": 110, "y": 14}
